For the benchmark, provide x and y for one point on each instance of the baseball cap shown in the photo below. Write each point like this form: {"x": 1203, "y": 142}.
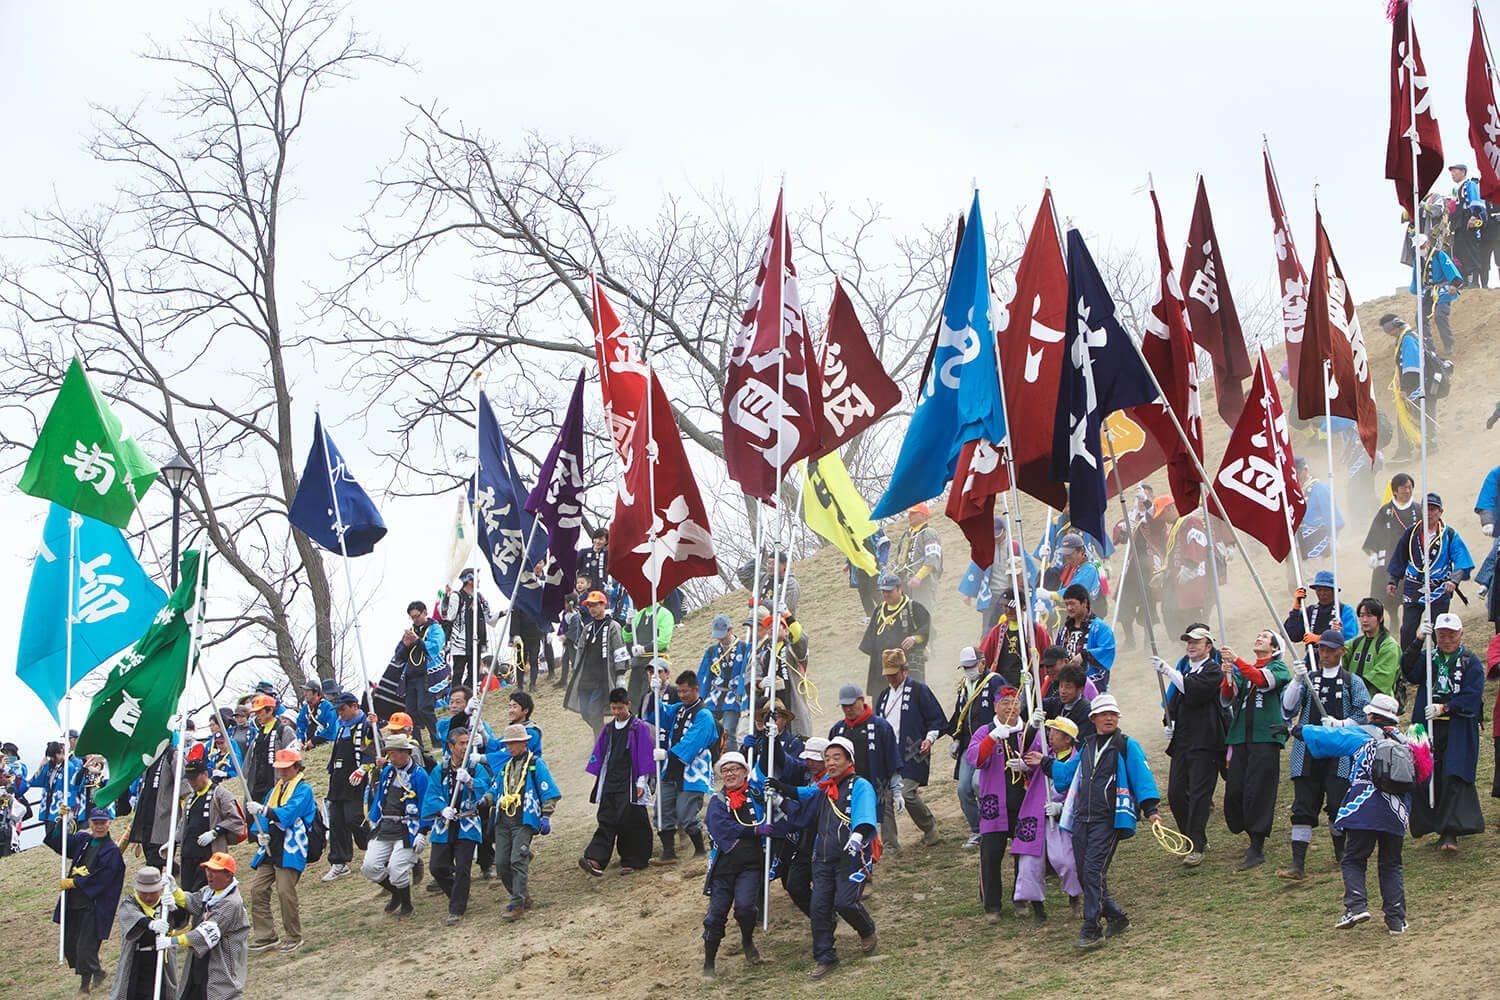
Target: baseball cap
{"x": 849, "y": 694}
{"x": 1197, "y": 630}
{"x": 348, "y": 698}
{"x": 1450, "y": 621}
{"x": 287, "y": 757}
{"x": 1063, "y": 724}
{"x": 261, "y": 701}
{"x": 720, "y": 627}
{"x": 919, "y": 510}
{"x": 1331, "y": 639}
{"x": 220, "y": 862}
{"x": 888, "y": 581}
{"x": 968, "y": 656}
{"x": 399, "y": 720}
{"x": 1433, "y": 500}
{"x": 732, "y": 757}
{"x": 595, "y": 597}
{"x": 1070, "y": 542}
{"x": 94, "y": 814}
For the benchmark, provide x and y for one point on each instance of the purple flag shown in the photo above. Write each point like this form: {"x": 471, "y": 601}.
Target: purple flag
{"x": 557, "y": 502}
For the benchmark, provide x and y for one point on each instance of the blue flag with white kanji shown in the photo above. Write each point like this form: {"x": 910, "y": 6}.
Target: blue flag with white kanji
{"x": 1102, "y": 372}
{"x": 960, "y": 401}
{"x": 330, "y": 506}
{"x": 114, "y": 603}
{"x": 512, "y": 540}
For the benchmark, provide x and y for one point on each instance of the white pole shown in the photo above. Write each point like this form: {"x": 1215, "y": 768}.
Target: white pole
{"x": 1333, "y": 525}
{"x": 194, "y": 640}
{"x": 1143, "y": 581}
{"x": 74, "y": 522}
{"x": 1114, "y": 615}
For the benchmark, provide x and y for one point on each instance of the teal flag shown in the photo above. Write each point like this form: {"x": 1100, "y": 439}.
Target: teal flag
{"x": 115, "y": 602}
{"x": 130, "y": 720}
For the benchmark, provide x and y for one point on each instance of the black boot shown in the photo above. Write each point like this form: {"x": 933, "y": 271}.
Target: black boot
{"x": 1038, "y": 914}
{"x": 1338, "y": 846}
{"x": 1255, "y": 854}
{"x": 404, "y": 907}
{"x": 668, "y": 848}
{"x": 1297, "y": 871}
{"x": 696, "y": 836}
{"x": 394, "y": 903}
{"x": 710, "y": 951}
{"x": 747, "y": 940}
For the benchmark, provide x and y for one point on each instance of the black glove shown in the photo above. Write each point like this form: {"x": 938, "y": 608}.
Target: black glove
{"x": 786, "y": 788}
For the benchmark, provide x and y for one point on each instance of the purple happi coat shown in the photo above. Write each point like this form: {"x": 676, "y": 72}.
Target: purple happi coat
{"x": 642, "y": 762}
{"x": 1031, "y": 824}
{"x": 990, "y": 777}
{"x": 1053, "y": 846}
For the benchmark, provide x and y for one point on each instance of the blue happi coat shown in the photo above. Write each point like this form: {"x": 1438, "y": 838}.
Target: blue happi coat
{"x": 1365, "y": 807}
{"x": 440, "y": 794}
{"x": 1451, "y": 562}
{"x": 1099, "y": 646}
{"x": 1356, "y": 697}
{"x": 1134, "y": 784}
{"x": 55, "y": 790}
{"x": 920, "y": 715}
{"x": 294, "y": 816}
{"x": 535, "y": 789}
{"x": 498, "y": 754}
{"x": 323, "y": 725}
{"x": 694, "y": 747}
{"x": 721, "y": 678}
{"x": 412, "y": 799}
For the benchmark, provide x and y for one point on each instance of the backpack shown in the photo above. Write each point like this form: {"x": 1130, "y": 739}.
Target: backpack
{"x": 244, "y": 834}
{"x": 317, "y": 837}
{"x": 1393, "y": 765}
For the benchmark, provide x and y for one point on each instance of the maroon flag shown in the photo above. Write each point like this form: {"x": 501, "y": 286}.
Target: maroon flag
{"x": 978, "y": 477}
{"x": 1333, "y": 336}
{"x": 856, "y": 391}
{"x": 1169, "y": 351}
{"x": 1413, "y": 124}
{"x": 1290, "y": 275}
{"x": 1211, "y": 313}
{"x": 659, "y": 537}
{"x": 1257, "y": 481}
{"x": 770, "y": 400}
{"x": 1484, "y": 119}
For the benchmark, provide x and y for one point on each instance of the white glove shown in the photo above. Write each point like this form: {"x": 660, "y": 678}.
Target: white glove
{"x": 205, "y": 838}
{"x": 420, "y": 843}
{"x": 655, "y": 683}
{"x": 1424, "y": 629}
{"x": 263, "y": 839}
{"x": 659, "y": 755}
{"x": 1054, "y": 809}
{"x": 462, "y": 776}
{"x": 1044, "y": 551}
{"x": 476, "y": 758}
{"x": 774, "y": 798}
{"x": 254, "y": 808}
{"x": 163, "y": 942}
{"x": 1374, "y": 558}
{"x": 1488, "y": 530}
{"x": 1045, "y": 594}
{"x": 637, "y": 650}
{"x": 898, "y": 801}
{"x": 1038, "y": 719}
{"x": 855, "y": 845}
{"x": 449, "y": 813}
{"x": 1159, "y": 665}
{"x": 999, "y": 730}
{"x": 1483, "y": 590}
{"x": 1186, "y": 575}
{"x": 768, "y": 685}
{"x": 1434, "y": 711}
{"x": 1016, "y": 764}
{"x": 158, "y": 926}
{"x": 641, "y": 784}
{"x": 1299, "y": 670}
{"x": 1168, "y": 730}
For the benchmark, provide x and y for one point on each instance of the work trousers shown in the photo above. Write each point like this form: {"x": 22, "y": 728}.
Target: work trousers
{"x": 679, "y": 809}
{"x": 992, "y": 870}
{"x": 81, "y": 942}
{"x": 1319, "y": 789}
{"x": 915, "y": 808}
{"x": 452, "y": 869}
{"x": 1094, "y": 844}
{"x": 284, "y": 881}
{"x": 1191, "y": 780}
{"x": 741, "y": 890}
{"x": 513, "y": 856}
{"x": 346, "y": 830}
{"x": 796, "y": 879}
{"x": 833, "y": 896}
{"x": 968, "y": 795}
{"x": 391, "y": 860}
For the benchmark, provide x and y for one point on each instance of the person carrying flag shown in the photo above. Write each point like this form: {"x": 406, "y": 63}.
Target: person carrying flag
{"x": 398, "y": 830}
{"x": 736, "y": 817}
{"x": 1195, "y": 740}
{"x": 1254, "y": 740}
{"x": 458, "y": 789}
{"x": 721, "y": 676}
{"x": 1450, "y": 564}
{"x": 91, "y": 892}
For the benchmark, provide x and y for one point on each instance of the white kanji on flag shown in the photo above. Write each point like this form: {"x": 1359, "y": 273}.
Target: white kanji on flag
{"x": 92, "y": 465}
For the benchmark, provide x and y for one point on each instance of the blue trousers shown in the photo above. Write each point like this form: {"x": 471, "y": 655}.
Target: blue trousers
{"x": 1093, "y": 849}
{"x": 833, "y": 896}
{"x": 742, "y": 891}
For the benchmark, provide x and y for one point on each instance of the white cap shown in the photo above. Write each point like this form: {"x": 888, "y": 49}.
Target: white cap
{"x": 968, "y": 656}
{"x": 1449, "y": 620}
{"x": 732, "y": 757}
{"x": 813, "y": 748}
{"x": 1104, "y": 703}
{"x": 843, "y": 743}
{"x": 1384, "y": 705}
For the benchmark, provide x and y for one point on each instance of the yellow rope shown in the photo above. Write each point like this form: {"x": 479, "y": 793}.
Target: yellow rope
{"x": 1171, "y": 841}
{"x": 809, "y": 691}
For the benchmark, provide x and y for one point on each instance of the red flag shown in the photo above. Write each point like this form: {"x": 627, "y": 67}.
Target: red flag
{"x": 855, "y": 390}
{"x": 622, "y": 375}
{"x": 1410, "y": 99}
{"x": 770, "y": 404}
{"x": 1289, "y": 274}
{"x": 1484, "y": 119}
{"x": 658, "y": 497}
{"x": 1210, "y": 310}
{"x": 1029, "y": 337}
{"x": 1258, "y": 476}
{"x": 1333, "y": 335}
{"x": 1169, "y": 351}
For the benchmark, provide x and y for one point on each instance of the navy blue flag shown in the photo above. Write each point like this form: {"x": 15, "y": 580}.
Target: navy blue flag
{"x": 330, "y": 506}
{"x": 558, "y": 501}
{"x": 510, "y": 538}
{"x": 1102, "y": 372}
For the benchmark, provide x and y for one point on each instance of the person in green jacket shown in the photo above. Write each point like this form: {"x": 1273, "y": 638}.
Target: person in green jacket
{"x": 650, "y": 637}
{"x": 1254, "y": 742}
{"x": 1374, "y": 655}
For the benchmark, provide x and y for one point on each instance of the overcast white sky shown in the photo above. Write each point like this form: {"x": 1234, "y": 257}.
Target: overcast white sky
{"x": 864, "y": 101}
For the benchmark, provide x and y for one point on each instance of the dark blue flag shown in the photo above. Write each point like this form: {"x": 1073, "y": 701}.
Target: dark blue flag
{"x": 510, "y": 538}
{"x": 1102, "y": 372}
{"x": 558, "y": 501}
{"x": 330, "y": 506}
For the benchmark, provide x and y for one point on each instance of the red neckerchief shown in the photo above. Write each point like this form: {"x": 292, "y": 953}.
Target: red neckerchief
{"x": 862, "y": 719}
{"x": 735, "y": 797}
{"x": 830, "y": 786}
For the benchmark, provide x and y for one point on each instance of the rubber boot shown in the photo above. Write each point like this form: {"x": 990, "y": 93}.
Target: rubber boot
{"x": 406, "y": 909}
{"x": 668, "y": 848}
{"x": 394, "y": 903}
{"x": 1297, "y": 871}
{"x": 1038, "y": 914}
{"x": 1255, "y": 854}
{"x": 747, "y": 942}
{"x": 696, "y": 836}
{"x": 1338, "y": 847}
{"x": 710, "y": 952}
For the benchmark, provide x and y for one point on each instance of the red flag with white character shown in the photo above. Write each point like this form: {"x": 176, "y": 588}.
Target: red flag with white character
{"x": 1291, "y": 278}
{"x": 622, "y": 374}
{"x": 1333, "y": 336}
{"x": 1484, "y": 118}
{"x": 1211, "y": 312}
{"x": 1414, "y": 127}
{"x": 1257, "y": 482}
{"x": 856, "y": 391}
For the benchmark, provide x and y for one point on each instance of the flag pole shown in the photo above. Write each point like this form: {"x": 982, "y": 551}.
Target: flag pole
{"x": 65, "y": 811}
{"x": 1204, "y": 478}
{"x": 195, "y": 638}
{"x": 1142, "y": 580}
{"x": 1333, "y": 522}
{"x": 1286, "y": 511}
{"x": 1419, "y": 269}
{"x": 653, "y": 683}
{"x": 1114, "y": 616}
{"x": 476, "y": 653}
{"x": 339, "y": 528}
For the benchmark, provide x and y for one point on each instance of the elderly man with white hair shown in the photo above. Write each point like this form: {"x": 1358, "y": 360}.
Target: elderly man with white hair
{"x": 1451, "y": 708}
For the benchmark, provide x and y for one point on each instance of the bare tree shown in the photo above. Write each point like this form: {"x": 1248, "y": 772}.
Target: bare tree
{"x": 173, "y": 298}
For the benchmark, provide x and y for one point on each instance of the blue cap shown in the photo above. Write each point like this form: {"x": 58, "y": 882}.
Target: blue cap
{"x": 348, "y": 698}
{"x": 94, "y": 814}
{"x": 850, "y": 693}
{"x": 1433, "y": 500}
{"x": 1332, "y": 639}
{"x": 1324, "y": 579}
{"x": 888, "y": 581}
{"x": 720, "y": 627}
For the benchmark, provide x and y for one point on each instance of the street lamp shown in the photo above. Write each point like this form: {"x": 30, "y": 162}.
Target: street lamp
{"x": 176, "y": 472}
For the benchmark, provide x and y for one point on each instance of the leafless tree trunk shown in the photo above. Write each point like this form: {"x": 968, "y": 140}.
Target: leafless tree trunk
{"x": 172, "y": 296}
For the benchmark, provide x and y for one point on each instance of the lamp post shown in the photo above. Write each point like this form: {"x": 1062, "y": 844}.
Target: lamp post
{"x": 176, "y": 472}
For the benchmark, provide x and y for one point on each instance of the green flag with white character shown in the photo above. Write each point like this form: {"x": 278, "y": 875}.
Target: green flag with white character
{"x": 84, "y": 458}
{"x": 130, "y": 719}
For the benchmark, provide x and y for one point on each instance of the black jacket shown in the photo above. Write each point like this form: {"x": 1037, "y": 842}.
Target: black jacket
{"x": 1196, "y": 714}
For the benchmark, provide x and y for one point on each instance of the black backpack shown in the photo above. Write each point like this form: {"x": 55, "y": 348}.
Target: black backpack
{"x": 317, "y": 837}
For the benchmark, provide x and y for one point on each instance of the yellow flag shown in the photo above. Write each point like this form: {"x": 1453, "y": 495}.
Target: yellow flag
{"x": 834, "y": 509}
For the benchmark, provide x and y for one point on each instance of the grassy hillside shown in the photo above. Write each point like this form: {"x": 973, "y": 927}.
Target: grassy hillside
{"x": 1209, "y": 932}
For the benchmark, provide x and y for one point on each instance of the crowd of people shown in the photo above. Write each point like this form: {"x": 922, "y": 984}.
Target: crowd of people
{"x": 723, "y": 754}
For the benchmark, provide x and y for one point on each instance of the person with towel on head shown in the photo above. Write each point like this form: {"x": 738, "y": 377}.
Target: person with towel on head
{"x": 989, "y": 754}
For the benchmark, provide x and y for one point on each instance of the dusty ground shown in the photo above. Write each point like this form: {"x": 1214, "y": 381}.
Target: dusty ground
{"x": 1211, "y": 932}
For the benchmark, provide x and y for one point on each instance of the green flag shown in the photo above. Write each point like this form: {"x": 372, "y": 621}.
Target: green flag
{"x": 84, "y": 459}
{"x": 130, "y": 719}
